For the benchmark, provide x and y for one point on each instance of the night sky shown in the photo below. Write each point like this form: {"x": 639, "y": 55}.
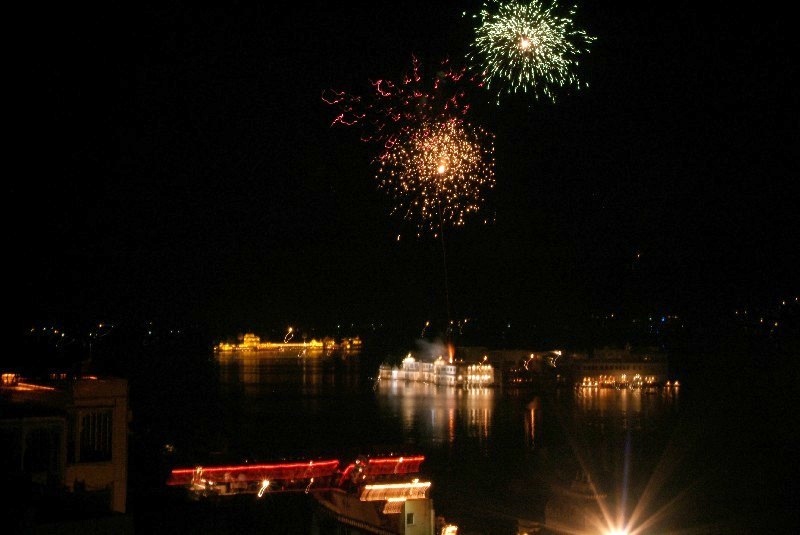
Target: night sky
{"x": 178, "y": 162}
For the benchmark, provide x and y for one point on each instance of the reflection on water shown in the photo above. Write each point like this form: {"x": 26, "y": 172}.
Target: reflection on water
{"x": 495, "y": 455}
{"x": 277, "y": 405}
{"x": 431, "y": 414}
{"x": 532, "y": 421}
{"x": 257, "y": 371}
{"x": 615, "y": 458}
{"x": 624, "y": 408}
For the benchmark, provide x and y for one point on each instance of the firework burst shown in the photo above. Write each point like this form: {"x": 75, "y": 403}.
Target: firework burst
{"x": 438, "y": 173}
{"x": 525, "y": 47}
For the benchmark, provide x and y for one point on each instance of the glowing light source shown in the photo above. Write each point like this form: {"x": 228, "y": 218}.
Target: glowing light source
{"x": 9, "y": 378}
{"x": 255, "y": 472}
{"x": 395, "y": 491}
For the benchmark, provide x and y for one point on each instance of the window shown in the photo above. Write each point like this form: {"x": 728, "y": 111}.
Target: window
{"x": 95, "y": 436}
{"x": 409, "y": 519}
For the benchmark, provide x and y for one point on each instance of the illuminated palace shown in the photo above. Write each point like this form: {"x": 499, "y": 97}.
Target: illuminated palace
{"x": 440, "y": 372}
{"x": 252, "y": 342}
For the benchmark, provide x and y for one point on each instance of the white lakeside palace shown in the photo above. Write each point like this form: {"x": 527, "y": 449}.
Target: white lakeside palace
{"x": 440, "y": 372}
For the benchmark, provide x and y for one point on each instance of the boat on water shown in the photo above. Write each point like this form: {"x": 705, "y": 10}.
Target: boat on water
{"x": 204, "y": 481}
{"x": 382, "y": 494}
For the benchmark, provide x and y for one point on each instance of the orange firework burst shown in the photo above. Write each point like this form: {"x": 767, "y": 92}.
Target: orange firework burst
{"x": 438, "y": 172}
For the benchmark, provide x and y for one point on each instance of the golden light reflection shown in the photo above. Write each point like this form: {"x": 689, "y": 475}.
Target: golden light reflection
{"x": 434, "y": 413}
{"x": 532, "y": 421}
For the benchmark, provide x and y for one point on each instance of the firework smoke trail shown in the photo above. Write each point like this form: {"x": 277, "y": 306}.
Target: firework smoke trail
{"x": 525, "y": 47}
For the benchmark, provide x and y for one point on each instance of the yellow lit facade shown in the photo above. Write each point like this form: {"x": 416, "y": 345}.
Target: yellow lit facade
{"x": 253, "y": 342}
{"x": 440, "y": 372}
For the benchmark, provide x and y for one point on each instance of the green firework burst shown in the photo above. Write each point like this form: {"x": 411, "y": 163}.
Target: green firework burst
{"x": 526, "y": 47}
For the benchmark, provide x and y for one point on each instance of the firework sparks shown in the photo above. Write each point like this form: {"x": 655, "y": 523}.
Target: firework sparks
{"x": 525, "y": 47}
{"x": 438, "y": 173}
{"x": 433, "y": 164}
{"x": 393, "y": 106}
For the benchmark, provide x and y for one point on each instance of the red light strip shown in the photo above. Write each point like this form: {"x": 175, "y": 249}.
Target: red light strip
{"x": 251, "y": 467}
{"x": 297, "y": 470}
{"x": 380, "y": 460}
{"x": 255, "y": 472}
{"x": 393, "y": 465}
{"x": 346, "y": 473}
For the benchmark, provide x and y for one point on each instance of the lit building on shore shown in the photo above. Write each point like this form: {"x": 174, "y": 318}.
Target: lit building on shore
{"x": 253, "y": 342}
{"x": 440, "y": 372}
{"x": 617, "y": 368}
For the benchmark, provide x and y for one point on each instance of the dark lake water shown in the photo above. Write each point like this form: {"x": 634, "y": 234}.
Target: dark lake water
{"x": 697, "y": 459}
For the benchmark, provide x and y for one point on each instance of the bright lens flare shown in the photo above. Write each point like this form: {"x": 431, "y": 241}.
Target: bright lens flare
{"x": 525, "y": 47}
{"x": 438, "y": 173}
